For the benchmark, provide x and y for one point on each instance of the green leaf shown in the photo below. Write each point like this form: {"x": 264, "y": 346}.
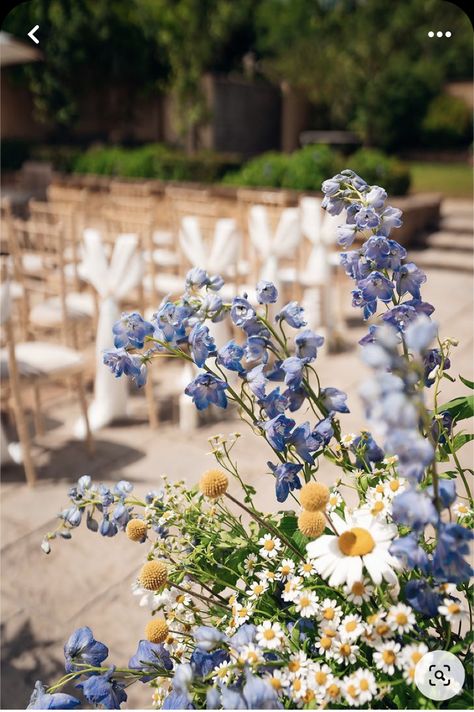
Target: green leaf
{"x": 469, "y": 384}
{"x": 461, "y": 440}
{"x": 459, "y": 408}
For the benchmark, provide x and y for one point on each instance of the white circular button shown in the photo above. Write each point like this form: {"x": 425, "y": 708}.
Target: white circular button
{"x": 439, "y": 33}
{"x": 431, "y": 33}
{"x": 439, "y": 675}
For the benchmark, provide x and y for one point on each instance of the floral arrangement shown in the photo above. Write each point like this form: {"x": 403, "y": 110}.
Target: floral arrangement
{"x": 320, "y": 604}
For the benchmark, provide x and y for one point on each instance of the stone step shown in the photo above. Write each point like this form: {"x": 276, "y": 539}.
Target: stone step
{"x": 457, "y": 223}
{"x": 442, "y": 259}
{"x": 444, "y": 240}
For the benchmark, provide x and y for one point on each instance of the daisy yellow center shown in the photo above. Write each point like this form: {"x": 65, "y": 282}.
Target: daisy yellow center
{"x": 269, "y": 545}
{"x": 330, "y": 632}
{"x": 269, "y": 634}
{"x": 275, "y": 683}
{"x": 352, "y": 690}
{"x": 394, "y": 485}
{"x": 309, "y": 696}
{"x": 258, "y": 588}
{"x": 285, "y": 570}
{"x": 364, "y": 685}
{"x": 293, "y": 666}
{"x": 180, "y": 598}
{"x": 379, "y": 489}
{"x": 416, "y": 656}
{"x": 358, "y": 588}
{"x": 297, "y": 685}
{"x": 328, "y": 614}
{"x": 320, "y": 677}
{"x": 378, "y": 507}
{"x": 325, "y": 642}
{"x": 356, "y": 542}
{"x": 242, "y": 613}
{"x": 332, "y": 501}
{"x": 453, "y": 608}
{"x": 307, "y": 567}
{"x": 345, "y": 649}
{"x": 350, "y": 626}
{"x": 253, "y": 657}
{"x": 462, "y": 508}
{"x": 333, "y": 690}
{"x": 304, "y": 601}
{"x": 401, "y": 619}
{"x": 382, "y": 629}
{"x": 388, "y": 657}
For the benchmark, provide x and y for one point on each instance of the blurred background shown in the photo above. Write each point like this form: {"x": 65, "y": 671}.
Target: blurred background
{"x": 141, "y": 138}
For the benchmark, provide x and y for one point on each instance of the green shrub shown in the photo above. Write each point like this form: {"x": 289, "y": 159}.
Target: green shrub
{"x": 448, "y": 123}
{"x": 310, "y": 166}
{"x": 376, "y": 167}
{"x": 265, "y": 171}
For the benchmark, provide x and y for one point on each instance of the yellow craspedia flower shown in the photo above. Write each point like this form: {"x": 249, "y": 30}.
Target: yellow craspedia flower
{"x": 156, "y": 630}
{"x": 314, "y": 496}
{"x": 214, "y": 483}
{"x": 136, "y": 530}
{"x": 311, "y": 524}
{"x": 153, "y": 575}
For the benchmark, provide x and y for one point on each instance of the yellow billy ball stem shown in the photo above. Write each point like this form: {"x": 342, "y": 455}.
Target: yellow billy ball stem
{"x": 153, "y": 575}
{"x": 156, "y": 630}
{"x": 311, "y": 524}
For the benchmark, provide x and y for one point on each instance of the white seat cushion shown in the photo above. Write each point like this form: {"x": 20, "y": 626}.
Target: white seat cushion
{"x": 163, "y": 238}
{"x": 163, "y": 258}
{"x": 165, "y": 284}
{"x": 32, "y": 262}
{"x": 36, "y": 358}
{"x": 80, "y": 305}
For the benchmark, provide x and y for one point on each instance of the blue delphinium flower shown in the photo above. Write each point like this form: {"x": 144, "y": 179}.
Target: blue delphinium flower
{"x": 123, "y": 488}
{"x": 150, "y": 657}
{"x": 121, "y": 362}
{"x": 362, "y": 217}
{"x": 207, "y": 637}
{"x": 121, "y": 515}
{"x": 334, "y": 399}
{"x": 83, "y": 649}
{"x": 255, "y": 349}
{"x": 409, "y": 278}
{"x": 449, "y": 562}
{"x": 104, "y": 690}
{"x": 390, "y": 217}
{"x": 196, "y": 278}
{"x": 305, "y": 442}
{"x": 107, "y": 527}
{"x": 274, "y": 403}
{"x": 346, "y": 235}
{"x": 293, "y": 368}
{"x": 203, "y": 663}
{"x": 431, "y": 360}
{"x": 266, "y": 292}
{"x": 201, "y": 343}
{"x": 422, "y": 598}
{"x": 131, "y": 330}
{"x": 376, "y": 286}
{"x": 257, "y": 380}
{"x": 307, "y": 345}
{"x": 287, "y": 480}
{"x": 409, "y": 552}
{"x": 324, "y": 431}
{"x": 293, "y": 314}
{"x": 256, "y": 694}
{"x": 446, "y": 492}
{"x": 42, "y": 700}
{"x": 206, "y": 389}
{"x": 230, "y": 356}
{"x": 171, "y": 321}
{"x": 72, "y": 515}
{"x": 277, "y": 431}
{"x": 241, "y": 311}
{"x": 414, "y": 452}
{"x": 177, "y": 701}
{"x": 414, "y": 509}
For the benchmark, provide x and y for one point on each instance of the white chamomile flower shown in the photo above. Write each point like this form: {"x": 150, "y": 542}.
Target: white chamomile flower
{"x": 298, "y": 664}
{"x": 348, "y": 439}
{"x": 286, "y": 569}
{"x": 270, "y": 635}
{"x": 378, "y": 628}
{"x": 306, "y": 569}
{"x": 367, "y": 686}
{"x": 180, "y": 601}
{"x": 241, "y": 613}
{"x": 359, "y": 593}
{"x": 402, "y": 618}
{"x": 351, "y": 627}
{"x": 329, "y": 611}
{"x": 334, "y": 692}
{"x": 412, "y": 654}
{"x": 250, "y": 563}
{"x": 361, "y": 542}
{"x": 334, "y": 501}
{"x": 325, "y": 644}
{"x": 461, "y": 510}
{"x": 222, "y": 673}
{"x": 319, "y": 677}
{"x": 291, "y": 589}
{"x": 387, "y": 657}
{"x": 452, "y": 611}
{"x": 278, "y": 680}
{"x": 250, "y": 655}
{"x": 390, "y": 460}
{"x": 267, "y": 576}
{"x": 306, "y": 603}
{"x": 345, "y": 651}
{"x": 350, "y": 690}
{"x": 257, "y": 589}
{"x": 297, "y": 688}
{"x": 448, "y": 589}
{"x": 393, "y": 487}
{"x": 271, "y": 545}
{"x": 377, "y": 505}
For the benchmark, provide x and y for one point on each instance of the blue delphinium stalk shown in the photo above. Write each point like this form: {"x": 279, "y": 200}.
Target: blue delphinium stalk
{"x": 41, "y": 700}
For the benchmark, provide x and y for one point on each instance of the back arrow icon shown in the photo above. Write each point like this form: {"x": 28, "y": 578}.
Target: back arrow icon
{"x": 31, "y": 34}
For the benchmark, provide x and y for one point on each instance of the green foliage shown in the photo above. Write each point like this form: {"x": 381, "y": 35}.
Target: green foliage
{"x": 307, "y": 168}
{"x": 154, "y": 161}
{"x": 378, "y": 168}
{"x": 14, "y": 152}
{"x": 448, "y": 122}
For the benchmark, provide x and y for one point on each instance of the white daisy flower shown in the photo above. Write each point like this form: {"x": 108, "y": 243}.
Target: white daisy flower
{"x": 334, "y": 501}
{"x": 348, "y": 439}
{"x": 345, "y": 651}
{"x": 297, "y": 688}
{"x": 362, "y": 542}
{"x": 378, "y": 628}
{"x": 393, "y": 487}
{"x": 448, "y": 589}
{"x": 257, "y": 589}
{"x": 222, "y": 673}
{"x": 412, "y": 654}
{"x": 271, "y": 545}
{"x": 250, "y": 655}
{"x": 297, "y": 664}
{"x": 387, "y": 657}
{"x": 351, "y": 692}
{"x": 351, "y": 627}
{"x": 270, "y": 635}
{"x": 334, "y": 692}
{"x": 359, "y": 593}
{"x": 250, "y": 563}
{"x": 325, "y": 644}
{"x": 452, "y": 611}
{"x": 278, "y": 680}
{"x": 285, "y": 570}
{"x": 306, "y": 603}
{"x": 391, "y": 460}
{"x": 365, "y": 680}
{"x": 291, "y": 589}
{"x": 377, "y": 505}
{"x": 241, "y": 613}
{"x": 401, "y": 618}
{"x": 306, "y": 569}
{"x": 319, "y": 677}
{"x": 329, "y": 611}
{"x": 460, "y": 510}
{"x": 267, "y": 575}
{"x": 180, "y": 601}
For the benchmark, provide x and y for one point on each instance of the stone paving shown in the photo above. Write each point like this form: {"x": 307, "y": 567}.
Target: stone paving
{"x": 87, "y": 580}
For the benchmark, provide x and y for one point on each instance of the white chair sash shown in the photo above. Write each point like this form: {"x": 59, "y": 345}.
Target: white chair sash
{"x": 112, "y": 282}
{"x": 270, "y": 246}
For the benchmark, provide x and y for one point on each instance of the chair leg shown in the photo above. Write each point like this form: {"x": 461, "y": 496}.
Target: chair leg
{"x": 24, "y": 438}
{"x": 151, "y": 405}
{"x": 38, "y": 415}
{"x": 83, "y": 404}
